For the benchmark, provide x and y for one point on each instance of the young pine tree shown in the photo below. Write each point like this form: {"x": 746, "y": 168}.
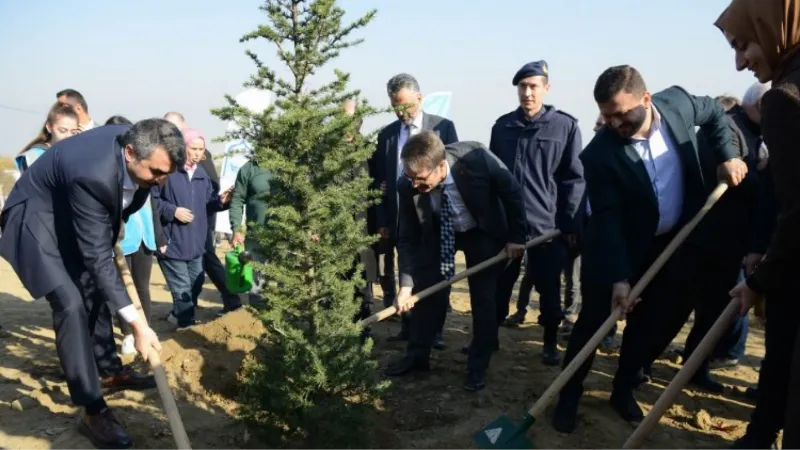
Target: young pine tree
{"x": 312, "y": 381}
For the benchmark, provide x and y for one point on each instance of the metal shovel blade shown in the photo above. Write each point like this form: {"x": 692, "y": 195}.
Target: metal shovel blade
{"x": 503, "y": 433}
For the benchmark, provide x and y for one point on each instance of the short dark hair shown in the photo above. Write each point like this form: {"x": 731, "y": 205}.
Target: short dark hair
{"x": 423, "y": 151}
{"x": 145, "y": 135}
{"x": 618, "y": 79}
{"x": 73, "y": 96}
{"x": 118, "y": 120}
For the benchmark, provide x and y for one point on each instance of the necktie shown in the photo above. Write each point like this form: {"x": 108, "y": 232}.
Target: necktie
{"x": 447, "y": 239}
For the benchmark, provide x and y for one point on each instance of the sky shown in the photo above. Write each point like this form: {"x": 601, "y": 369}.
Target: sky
{"x": 143, "y": 58}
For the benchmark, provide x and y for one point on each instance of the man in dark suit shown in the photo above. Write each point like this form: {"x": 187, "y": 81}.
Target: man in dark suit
{"x": 406, "y": 98}
{"x": 59, "y": 226}
{"x": 455, "y": 197}
{"x": 644, "y": 182}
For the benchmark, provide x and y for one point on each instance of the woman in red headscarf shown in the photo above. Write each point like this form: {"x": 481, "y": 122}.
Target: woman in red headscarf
{"x": 765, "y": 36}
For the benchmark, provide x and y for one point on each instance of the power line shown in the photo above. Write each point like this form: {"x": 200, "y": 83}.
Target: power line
{"x": 26, "y": 111}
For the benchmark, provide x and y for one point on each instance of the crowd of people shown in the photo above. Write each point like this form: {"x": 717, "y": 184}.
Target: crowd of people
{"x": 616, "y": 201}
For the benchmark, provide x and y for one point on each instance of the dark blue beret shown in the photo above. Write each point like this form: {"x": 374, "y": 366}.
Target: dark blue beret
{"x": 532, "y": 69}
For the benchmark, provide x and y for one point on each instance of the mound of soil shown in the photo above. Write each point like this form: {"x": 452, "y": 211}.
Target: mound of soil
{"x": 204, "y": 361}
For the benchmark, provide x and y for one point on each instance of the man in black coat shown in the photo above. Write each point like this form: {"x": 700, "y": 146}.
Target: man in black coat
{"x": 59, "y": 226}
{"x": 386, "y": 166}
{"x": 459, "y": 197}
{"x": 644, "y": 182}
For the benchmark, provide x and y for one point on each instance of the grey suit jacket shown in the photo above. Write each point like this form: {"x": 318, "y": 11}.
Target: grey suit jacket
{"x": 384, "y": 165}
{"x": 490, "y": 193}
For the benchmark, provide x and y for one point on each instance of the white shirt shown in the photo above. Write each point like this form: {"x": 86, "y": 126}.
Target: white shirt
{"x": 664, "y": 167}
{"x": 462, "y": 219}
{"x": 89, "y": 125}
{"x": 128, "y": 313}
{"x": 415, "y": 128}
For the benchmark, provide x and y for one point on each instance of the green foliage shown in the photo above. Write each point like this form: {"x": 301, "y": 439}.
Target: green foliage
{"x": 311, "y": 381}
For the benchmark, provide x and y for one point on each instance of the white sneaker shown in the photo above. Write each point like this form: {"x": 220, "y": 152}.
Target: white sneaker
{"x": 128, "y": 347}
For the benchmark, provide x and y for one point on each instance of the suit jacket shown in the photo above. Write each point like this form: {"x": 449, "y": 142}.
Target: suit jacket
{"x": 624, "y": 206}
{"x": 739, "y": 222}
{"x": 63, "y": 216}
{"x": 490, "y": 193}
{"x": 384, "y": 165}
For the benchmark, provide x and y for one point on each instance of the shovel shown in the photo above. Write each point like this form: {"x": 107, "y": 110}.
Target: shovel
{"x": 502, "y": 432}
{"x": 684, "y": 375}
{"x": 174, "y": 417}
{"x": 500, "y": 257}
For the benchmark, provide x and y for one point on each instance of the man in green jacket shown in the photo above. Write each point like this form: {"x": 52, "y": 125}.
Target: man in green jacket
{"x": 249, "y": 197}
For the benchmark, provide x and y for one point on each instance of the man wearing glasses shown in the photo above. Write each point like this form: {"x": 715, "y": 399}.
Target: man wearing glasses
{"x": 455, "y": 197}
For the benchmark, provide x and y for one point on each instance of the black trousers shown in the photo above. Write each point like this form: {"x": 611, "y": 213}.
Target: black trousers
{"x": 216, "y": 271}
{"x": 781, "y": 329}
{"x": 140, "y": 263}
{"x": 543, "y": 272}
{"x": 712, "y": 277}
{"x": 82, "y": 322}
{"x": 388, "y": 279}
{"x": 430, "y": 313}
{"x": 651, "y": 326}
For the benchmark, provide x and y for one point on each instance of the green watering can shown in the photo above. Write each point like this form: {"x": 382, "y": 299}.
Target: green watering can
{"x": 238, "y": 270}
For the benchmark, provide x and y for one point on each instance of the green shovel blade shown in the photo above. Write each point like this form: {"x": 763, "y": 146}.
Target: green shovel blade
{"x": 503, "y": 433}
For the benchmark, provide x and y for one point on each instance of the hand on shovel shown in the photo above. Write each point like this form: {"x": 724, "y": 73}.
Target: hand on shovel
{"x": 145, "y": 340}
{"x": 620, "y": 298}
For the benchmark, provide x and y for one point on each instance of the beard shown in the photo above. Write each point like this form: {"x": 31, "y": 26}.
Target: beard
{"x": 634, "y": 120}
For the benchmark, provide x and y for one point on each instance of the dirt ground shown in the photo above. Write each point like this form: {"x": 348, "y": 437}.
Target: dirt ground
{"x": 422, "y": 411}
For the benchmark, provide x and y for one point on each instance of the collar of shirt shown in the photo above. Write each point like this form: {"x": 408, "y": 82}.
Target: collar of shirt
{"x": 448, "y": 180}
{"x": 89, "y": 125}
{"x": 127, "y": 181}
{"x": 417, "y": 122}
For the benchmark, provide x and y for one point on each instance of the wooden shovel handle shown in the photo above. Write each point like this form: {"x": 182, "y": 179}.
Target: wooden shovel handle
{"x": 550, "y": 394}
{"x": 683, "y": 376}
{"x": 502, "y": 256}
{"x": 167, "y": 399}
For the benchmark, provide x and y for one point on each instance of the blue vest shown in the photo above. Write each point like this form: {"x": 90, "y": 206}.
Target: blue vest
{"x": 138, "y": 229}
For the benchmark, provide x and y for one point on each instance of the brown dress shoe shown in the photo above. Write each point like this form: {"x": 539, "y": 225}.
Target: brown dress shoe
{"x": 104, "y": 431}
{"x": 128, "y": 378}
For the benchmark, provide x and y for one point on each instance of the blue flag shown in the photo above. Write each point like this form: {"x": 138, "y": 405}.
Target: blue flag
{"x": 437, "y": 103}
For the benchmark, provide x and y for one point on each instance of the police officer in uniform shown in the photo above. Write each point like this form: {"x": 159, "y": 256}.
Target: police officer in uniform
{"x": 540, "y": 145}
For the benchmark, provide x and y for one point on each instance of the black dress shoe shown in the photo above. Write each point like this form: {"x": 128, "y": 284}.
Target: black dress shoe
{"x": 514, "y": 320}
{"x": 104, "y": 431}
{"x": 438, "y": 342}
{"x": 550, "y": 355}
{"x": 475, "y": 381}
{"x": 705, "y": 382}
{"x": 624, "y": 403}
{"x": 397, "y": 337}
{"x": 565, "y": 416}
{"x": 405, "y": 366}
